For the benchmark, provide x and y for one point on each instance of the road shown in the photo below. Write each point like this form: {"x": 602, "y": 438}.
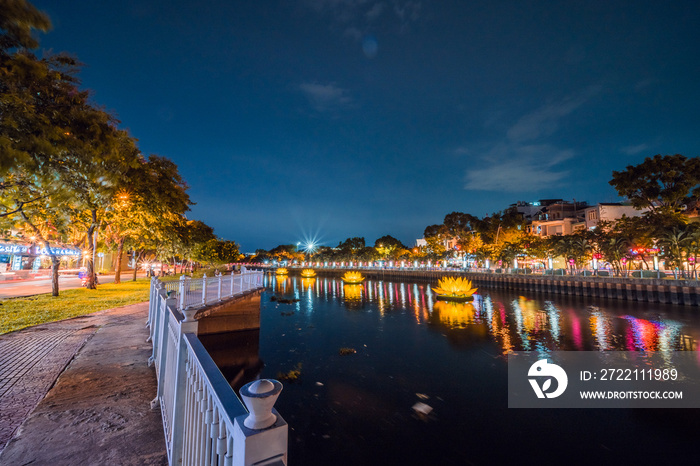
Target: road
{"x": 11, "y": 289}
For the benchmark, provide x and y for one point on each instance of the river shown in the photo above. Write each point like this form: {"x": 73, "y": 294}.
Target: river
{"x": 425, "y": 382}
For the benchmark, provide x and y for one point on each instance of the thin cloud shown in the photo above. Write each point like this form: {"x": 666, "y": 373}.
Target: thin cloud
{"x": 545, "y": 120}
{"x": 325, "y": 97}
{"x": 634, "y": 150}
{"x": 375, "y": 12}
{"x": 513, "y": 167}
{"x": 523, "y": 162}
{"x": 357, "y": 18}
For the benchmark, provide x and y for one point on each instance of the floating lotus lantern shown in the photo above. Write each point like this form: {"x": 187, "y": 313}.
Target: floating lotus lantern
{"x": 352, "y": 277}
{"x": 308, "y": 273}
{"x": 454, "y": 289}
{"x": 282, "y": 271}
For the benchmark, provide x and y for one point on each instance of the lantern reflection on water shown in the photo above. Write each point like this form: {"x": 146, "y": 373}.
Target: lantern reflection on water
{"x": 454, "y": 314}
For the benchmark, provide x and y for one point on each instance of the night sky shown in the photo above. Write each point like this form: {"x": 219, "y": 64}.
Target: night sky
{"x": 329, "y": 119}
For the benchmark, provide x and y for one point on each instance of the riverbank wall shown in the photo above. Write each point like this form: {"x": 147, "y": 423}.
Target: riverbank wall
{"x": 651, "y": 290}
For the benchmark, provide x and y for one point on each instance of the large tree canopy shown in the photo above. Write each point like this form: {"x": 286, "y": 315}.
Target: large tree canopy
{"x": 663, "y": 183}
{"x": 17, "y": 20}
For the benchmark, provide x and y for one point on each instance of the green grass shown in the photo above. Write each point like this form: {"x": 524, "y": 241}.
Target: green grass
{"x": 19, "y": 313}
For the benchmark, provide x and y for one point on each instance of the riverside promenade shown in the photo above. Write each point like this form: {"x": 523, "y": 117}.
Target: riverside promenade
{"x": 78, "y": 392}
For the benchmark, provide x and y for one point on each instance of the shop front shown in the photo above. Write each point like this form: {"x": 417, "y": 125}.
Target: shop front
{"x": 21, "y": 260}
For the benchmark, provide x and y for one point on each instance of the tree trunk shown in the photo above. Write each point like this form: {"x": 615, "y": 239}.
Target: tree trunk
{"x": 137, "y": 256}
{"x": 118, "y": 263}
{"x": 55, "y": 264}
{"x": 91, "y": 285}
{"x": 55, "y": 260}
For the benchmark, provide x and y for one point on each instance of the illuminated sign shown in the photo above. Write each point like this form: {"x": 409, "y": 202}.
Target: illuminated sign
{"x": 13, "y": 248}
{"x": 57, "y": 251}
{"x": 9, "y": 248}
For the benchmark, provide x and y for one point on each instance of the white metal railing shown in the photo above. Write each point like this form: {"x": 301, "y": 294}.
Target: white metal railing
{"x": 203, "y": 420}
{"x": 202, "y": 291}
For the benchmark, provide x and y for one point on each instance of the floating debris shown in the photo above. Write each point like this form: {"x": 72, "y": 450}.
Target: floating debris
{"x": 422, "y": 408}
{"x": 287, "y": 300}
{"x": 290, "y": 313}
{"x": 422, "y": 396}
{"x": 347, "y": 351}
{"x": 291, "y": 376}
{"x": 319, "y": 384}
{"x": 284, "y": 300}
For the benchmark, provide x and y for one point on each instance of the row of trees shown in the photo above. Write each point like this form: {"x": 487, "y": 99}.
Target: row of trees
{"x": 663, "y": 185}
{"x": 352, "y": 249}
{"x": 68, "y": 172}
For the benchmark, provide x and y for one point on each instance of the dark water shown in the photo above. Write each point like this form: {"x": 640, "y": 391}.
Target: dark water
{"x": 410, "y": 348}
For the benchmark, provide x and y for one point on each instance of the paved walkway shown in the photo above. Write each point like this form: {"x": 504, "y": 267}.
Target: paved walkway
{"x": 78, "y": 392}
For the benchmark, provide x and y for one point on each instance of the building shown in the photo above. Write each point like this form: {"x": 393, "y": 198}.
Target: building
{"x": 558, "y": 218}
{"x": 609, "y": 212}
{"x": 24, "y": 259}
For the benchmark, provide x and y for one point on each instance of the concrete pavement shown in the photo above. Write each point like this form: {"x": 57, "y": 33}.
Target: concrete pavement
{"x": 97, "y": 411}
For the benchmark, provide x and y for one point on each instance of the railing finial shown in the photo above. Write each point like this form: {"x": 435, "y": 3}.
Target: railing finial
{"x": 259, "y": 397}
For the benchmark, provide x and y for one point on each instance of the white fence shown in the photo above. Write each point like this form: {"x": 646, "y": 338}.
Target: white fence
{"x": 203, "y": 419}
{"x": 198, "y": 292}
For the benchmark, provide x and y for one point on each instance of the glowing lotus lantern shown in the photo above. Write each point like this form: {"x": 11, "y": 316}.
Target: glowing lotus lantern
{"x": 352, "y": 277}
{"x": 308, "y": 273}
{"x": 454, "y": 289}
{"x": 282, "y": 271}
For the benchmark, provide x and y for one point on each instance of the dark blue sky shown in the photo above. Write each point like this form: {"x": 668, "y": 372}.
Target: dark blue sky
{"x": 339, "y": 118}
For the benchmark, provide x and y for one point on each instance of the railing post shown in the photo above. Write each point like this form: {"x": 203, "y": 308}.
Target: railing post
{"x": 162, "y": 353}
{"x": 156, "y": 324}
{"x": 188, "y": 325}
{"x": 150, "y": 302}
{"x": 204, "y": 290}
{"x": 260, "y": 436}
{"x": 232, "y": 275}
{"x": 220, "y": 283}
{"x": 182, "y": 292}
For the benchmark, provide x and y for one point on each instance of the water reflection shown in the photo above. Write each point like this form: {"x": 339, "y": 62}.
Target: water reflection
{"x": 520, "y": 324}
{"x": 455, "y": 315}
{"x": 236, "y": 354}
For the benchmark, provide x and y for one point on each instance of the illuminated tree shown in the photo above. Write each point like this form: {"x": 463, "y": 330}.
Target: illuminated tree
{"x": 39, "y": 106}
{"x": 217, "y": 252}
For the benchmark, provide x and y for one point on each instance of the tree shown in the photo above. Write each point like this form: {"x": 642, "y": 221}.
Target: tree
{"x": 151, "y": 205}
{"x": 351, "y": 246}
{"x": 661, "y": 183}
{"x": 614, "y": 249}
{"x": 286, "y": 252}
{"x": 18, "y": 19}
{"x": 387, "y": 241}
{"x": 459, "y": 224}
{"x": 217, "y": 252}
{"x": 436, "y": 236}
{"x": 187, "y": 236}
{"x": 674, "y": 244}
{"x": 39, "y": 108}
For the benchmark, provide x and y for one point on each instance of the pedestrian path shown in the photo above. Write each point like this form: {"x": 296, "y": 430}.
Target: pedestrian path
{"x": 78, "y": 392}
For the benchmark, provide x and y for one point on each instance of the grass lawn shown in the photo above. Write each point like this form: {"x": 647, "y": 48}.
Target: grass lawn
{"x": 18, "y": 313}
